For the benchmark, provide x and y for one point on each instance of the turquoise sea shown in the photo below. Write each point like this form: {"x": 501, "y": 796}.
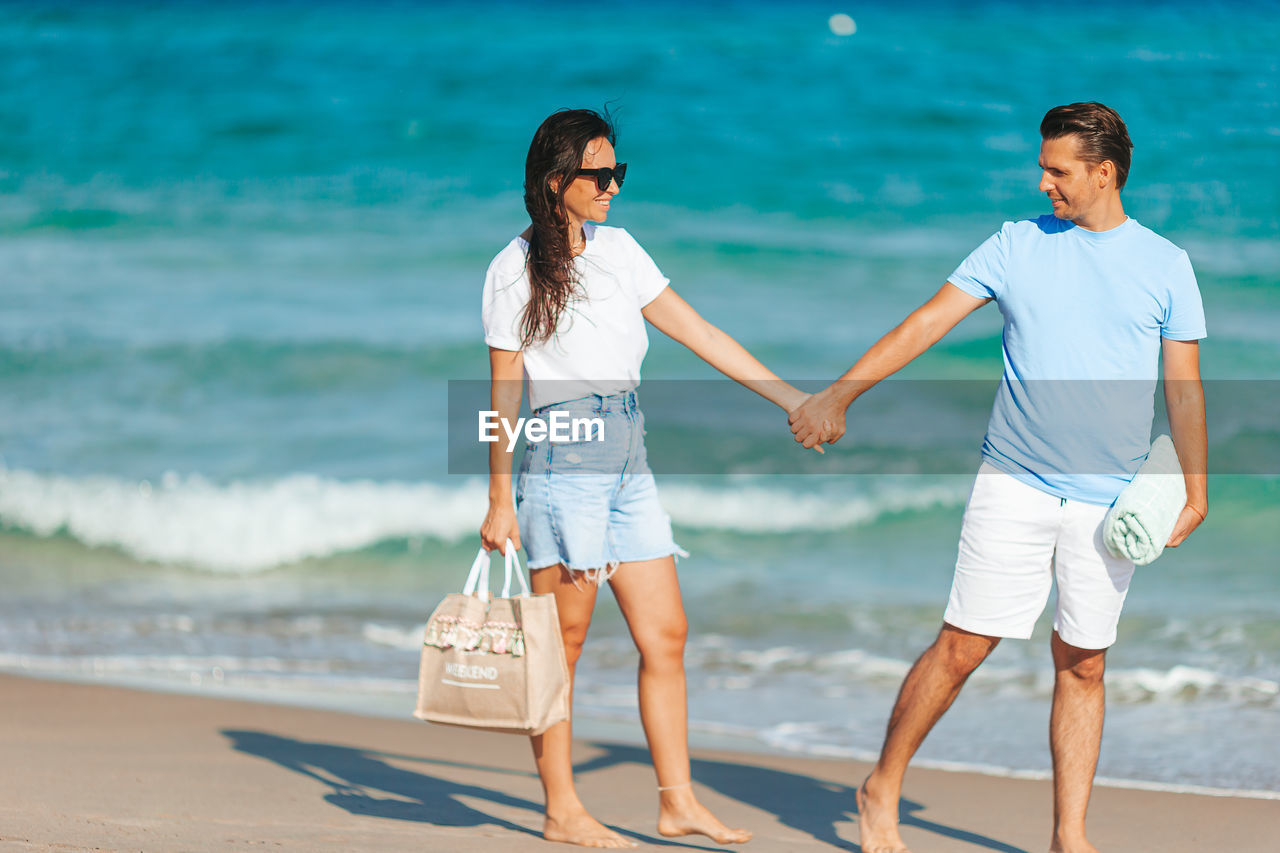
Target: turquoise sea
{"x": 241, "y": 253}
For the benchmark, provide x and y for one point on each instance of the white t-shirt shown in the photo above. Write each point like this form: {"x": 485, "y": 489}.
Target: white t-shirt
{"x": 601, "y": 338}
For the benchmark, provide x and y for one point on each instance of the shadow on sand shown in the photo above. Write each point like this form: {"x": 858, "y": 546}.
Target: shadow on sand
{"x": 810, "y": 805}
{"x": 363, "y": 783}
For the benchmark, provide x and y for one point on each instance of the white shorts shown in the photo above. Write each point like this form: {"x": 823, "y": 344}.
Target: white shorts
{"x": 1015, "y": 538}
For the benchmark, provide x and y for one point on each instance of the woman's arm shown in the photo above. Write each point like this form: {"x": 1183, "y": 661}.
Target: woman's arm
{"x": 506, "y": 377}
{"x": 676, "y": 319}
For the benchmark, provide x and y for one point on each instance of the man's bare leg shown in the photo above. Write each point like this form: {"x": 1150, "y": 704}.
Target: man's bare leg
{"x": 929, "y": 689}
{"x": 1075, "y": 736}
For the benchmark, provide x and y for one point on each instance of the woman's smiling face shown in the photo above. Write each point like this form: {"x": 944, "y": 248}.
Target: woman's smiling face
{"x": 583, "y": 199}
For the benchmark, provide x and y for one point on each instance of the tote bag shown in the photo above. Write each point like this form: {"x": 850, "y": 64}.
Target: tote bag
{"x": 494, "y": 664}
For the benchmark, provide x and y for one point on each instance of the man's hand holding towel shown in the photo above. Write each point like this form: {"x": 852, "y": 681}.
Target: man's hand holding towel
{"x": 1141, "y": 520}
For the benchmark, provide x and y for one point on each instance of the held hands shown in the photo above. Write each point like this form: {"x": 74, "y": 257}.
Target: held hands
{"x": 819, "y": 420}
{"x": 791, "y": 400}
{"x": 1188, "y": 521}
{"x": 499, "y": 526}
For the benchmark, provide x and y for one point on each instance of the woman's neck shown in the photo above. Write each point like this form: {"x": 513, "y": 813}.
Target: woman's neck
{"x": 577, "y": 238}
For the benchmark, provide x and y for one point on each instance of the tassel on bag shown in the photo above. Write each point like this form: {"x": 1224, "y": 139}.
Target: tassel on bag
{"x": 498, "y": 638}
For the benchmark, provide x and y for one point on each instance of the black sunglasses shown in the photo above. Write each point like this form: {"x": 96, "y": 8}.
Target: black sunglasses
{"x": 606, "y": 175}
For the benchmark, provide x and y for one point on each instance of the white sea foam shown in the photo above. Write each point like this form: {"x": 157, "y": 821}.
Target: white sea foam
{"x": 292, "y": 681}
{"x": 791, "y": 738}
{"x": 1178, "y": 683}
{"x": 755, "y": 509}
{"x": 125, "y": 664}
{"x": 1187, "y": 682}
{"x": 394, "y": 636}
{"x": 249, "y": 526}
{"x": 239, "y": 527}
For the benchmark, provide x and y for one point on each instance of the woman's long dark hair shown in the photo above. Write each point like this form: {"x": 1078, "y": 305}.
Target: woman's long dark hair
{"x": 555, "y": 156}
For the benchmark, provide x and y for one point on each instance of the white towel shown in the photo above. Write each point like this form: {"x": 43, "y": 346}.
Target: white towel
{"x": 1141, "y": 520}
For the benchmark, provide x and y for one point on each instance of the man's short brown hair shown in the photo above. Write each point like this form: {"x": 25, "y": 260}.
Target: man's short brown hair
{"x": 1101, "y": 132}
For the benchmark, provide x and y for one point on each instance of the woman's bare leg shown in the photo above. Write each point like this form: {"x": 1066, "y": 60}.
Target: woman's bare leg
{"x": 567, "y": 818}
{"x": 649, "y": 597}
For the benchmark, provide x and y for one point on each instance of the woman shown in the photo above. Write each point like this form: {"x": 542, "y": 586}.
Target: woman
{"x": 566, "y": 303}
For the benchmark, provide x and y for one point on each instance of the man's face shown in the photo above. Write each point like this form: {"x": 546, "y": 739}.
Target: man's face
{"x": 1073, "y": 186}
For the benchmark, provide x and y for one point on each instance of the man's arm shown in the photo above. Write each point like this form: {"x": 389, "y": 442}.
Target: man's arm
{"x": 1184, "y": 400}
{"x": 821, "y": 417}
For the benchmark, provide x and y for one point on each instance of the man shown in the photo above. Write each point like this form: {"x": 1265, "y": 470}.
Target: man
{"x": 1092, "y": 301}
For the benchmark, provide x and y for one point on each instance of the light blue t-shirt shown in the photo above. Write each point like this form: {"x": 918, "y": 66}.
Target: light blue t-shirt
{"x": 1084, "y": 312}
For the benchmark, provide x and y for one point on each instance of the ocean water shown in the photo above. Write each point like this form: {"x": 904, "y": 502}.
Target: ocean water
{"x": 241, "y": 250}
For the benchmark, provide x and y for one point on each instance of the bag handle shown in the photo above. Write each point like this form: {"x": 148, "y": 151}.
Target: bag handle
{"x": 513, "y": 559}
{"x": 478, "y": 577}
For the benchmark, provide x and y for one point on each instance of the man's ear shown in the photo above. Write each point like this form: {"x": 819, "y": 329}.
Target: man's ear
{"x": 554, "y": 185}
{"x": 1106, "y": 171}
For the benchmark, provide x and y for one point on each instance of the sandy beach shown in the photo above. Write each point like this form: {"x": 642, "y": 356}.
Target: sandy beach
{"x": 105, "y": 768}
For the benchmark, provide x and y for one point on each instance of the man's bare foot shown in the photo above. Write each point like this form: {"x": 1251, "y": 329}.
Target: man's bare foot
{"x": 878, "y": 823}
{"x": 681, "y": 814}
{"x": 582, "y": 829}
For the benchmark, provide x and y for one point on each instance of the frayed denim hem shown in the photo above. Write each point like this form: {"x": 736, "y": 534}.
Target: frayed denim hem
{"x": 599, "y": 575}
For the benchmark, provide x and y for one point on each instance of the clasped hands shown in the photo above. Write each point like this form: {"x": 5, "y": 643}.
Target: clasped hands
{"x": 819, "y": 419}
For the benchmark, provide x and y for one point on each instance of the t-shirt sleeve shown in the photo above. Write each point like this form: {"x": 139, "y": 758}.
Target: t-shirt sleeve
{"x": 506, "y": 293}
{"x": 1184, "y": 311}
{"x": 982, "y": 274}
{"x": 646, "y": 278}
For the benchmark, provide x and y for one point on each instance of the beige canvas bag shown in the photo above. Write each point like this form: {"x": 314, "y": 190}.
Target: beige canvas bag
{"x": 494, "y": 664}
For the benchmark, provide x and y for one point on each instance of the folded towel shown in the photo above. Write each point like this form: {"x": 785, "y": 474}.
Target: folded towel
{"x": 1141, "y": 520}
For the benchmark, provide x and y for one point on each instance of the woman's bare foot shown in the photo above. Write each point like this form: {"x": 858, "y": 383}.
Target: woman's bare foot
{"x": 1074, "y": 845}
{"x": 878, "y": 824}
{"x": 680, "y": 813}
{"x": 581, "y": 828}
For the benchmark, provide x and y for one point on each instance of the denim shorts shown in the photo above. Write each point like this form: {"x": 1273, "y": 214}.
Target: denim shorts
{"x": 590, "y": 502}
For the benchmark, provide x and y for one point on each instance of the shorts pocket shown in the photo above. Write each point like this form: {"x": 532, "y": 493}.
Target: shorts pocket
{"x": 602, "y": 448}
{"x": 587, "y": 457}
